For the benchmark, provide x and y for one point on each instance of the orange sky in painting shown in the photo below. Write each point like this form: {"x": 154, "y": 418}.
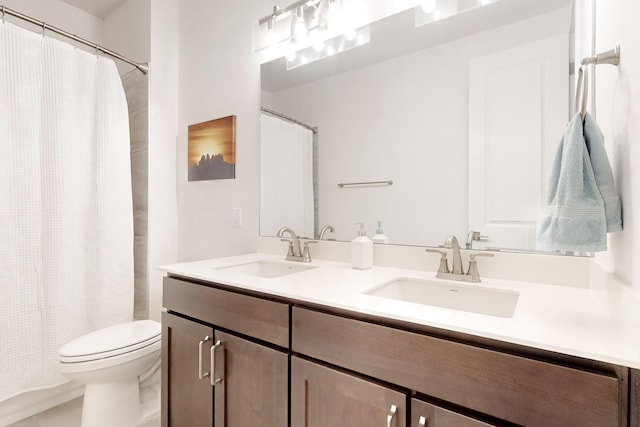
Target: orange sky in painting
{"x": 213, "y": 137}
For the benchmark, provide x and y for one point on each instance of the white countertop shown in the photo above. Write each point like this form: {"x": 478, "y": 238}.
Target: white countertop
{"x": 602, "y": 323}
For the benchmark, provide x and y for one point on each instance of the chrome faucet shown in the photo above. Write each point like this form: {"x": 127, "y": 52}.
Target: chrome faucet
{"x": 474, "y": 235}
{"x": 451, "y": 242}
{"x": 457, "y": 273}
{"x": 324, "y": 229}
{"x": 295, "y": 253}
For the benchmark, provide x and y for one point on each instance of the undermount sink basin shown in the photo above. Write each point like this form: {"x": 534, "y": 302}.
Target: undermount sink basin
{"x": 472, "y": 298}
{"x": 267, "y": 269}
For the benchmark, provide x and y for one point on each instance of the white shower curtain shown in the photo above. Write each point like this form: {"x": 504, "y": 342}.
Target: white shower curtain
{"x": 66, "y": 226}
{"x": 286, "y": 177}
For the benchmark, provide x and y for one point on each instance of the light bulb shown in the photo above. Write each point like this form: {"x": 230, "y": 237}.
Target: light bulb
{"x": 298, "y": 28}
{"x": 334, "y": 14}
{"x": 350, "y": 34}
{"x": 291, "y": 55}
{"x": 318, "y": 45}
{"x": 271, "y": 33}
{"x": 429, "y": 6}
{"x": 323, "y": 15}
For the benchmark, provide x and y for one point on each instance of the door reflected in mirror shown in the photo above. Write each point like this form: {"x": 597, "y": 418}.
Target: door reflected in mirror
{"x": 463, "y": 114}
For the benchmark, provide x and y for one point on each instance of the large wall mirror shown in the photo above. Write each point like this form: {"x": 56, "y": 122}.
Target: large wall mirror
{"x": 451, "y": 124}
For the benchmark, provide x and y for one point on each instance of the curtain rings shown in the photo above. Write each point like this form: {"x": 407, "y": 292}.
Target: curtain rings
{"x": 3, "y": 13}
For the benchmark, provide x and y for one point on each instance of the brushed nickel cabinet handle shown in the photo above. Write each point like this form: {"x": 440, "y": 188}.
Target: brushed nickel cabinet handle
{"x": 214, "y": 380}
{"x": 202, "y": 375}
{"x": 391, "y": 415}
{"x": 422, "y": 422}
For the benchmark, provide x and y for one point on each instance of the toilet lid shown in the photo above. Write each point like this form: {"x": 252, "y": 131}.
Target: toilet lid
{"x": 111, "y": 341}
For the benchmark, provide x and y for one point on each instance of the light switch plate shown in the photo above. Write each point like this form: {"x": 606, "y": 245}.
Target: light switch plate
{"x": 237, "y": 217}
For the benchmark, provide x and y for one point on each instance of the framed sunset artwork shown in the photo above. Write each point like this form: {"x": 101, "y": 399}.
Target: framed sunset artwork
{"x": 212, "y": 149}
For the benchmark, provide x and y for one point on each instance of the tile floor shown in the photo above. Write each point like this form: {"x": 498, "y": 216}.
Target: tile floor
{"x": 65, "y": 415}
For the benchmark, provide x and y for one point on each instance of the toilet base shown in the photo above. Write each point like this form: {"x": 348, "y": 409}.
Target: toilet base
{"x": 112, "y": 404}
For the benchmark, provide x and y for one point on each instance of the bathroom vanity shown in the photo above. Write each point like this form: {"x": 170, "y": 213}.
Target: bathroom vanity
{"x": 244, "y": 350}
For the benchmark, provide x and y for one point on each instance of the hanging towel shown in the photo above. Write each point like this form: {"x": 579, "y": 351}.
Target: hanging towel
{"x": 574, "y": 218}
{"x": 603, "y": 174}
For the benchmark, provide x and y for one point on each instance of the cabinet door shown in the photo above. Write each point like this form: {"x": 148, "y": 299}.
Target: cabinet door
{"x": 253, "y": 384}
{"x": 427, "y": 415}
{"x": 187, "y": 400}
{"x": 324, "y": 397}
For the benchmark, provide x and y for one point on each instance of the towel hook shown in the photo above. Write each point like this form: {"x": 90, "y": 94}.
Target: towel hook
{"x": 611, "y": 56}
{"x": 582, "y": 92}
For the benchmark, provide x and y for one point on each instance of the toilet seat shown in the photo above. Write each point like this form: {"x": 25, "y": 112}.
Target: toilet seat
{"x": 111, "y": 341}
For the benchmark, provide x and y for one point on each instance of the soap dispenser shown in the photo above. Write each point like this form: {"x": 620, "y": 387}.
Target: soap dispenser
{"x": 361, "y": 250}
{"x": 379, "y": 237}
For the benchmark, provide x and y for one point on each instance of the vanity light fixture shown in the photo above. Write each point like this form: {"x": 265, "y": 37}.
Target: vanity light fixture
{"x": 323, "y": 15}
{"x": 316, "y": 28}
{"x": 331, "y": 47}
{"x": 271, "y": 28}
{"x": 299, "y": 30}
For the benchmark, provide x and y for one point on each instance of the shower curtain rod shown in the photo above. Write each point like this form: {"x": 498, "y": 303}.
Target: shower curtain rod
{"x": 289, "y": 119}
{"x": 46, "y": 27}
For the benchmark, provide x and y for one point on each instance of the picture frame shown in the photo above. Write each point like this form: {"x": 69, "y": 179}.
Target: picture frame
{"x": 212, "y": 149}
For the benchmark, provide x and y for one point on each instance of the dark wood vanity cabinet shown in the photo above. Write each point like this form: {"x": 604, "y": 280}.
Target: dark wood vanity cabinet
{"x": 325, "y": 397}
{"x": 212, "y": 376}
{"x": 254, "y": 387}
{"x": 513, "y": 388}
{"x": 186, "y": 399}
{"x": 283, "y": 363}
{"x": 425, "y": 414}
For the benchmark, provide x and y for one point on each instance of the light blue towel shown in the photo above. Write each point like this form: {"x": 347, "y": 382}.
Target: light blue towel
{"x": 603, "y": 174}
{"x": 574, "y": 218}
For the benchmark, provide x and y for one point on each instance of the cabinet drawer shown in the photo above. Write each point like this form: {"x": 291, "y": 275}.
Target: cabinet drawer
{"x": 513, "y": 388}
{"x": 258, "y": 318}
{"x": 424, "y": 414}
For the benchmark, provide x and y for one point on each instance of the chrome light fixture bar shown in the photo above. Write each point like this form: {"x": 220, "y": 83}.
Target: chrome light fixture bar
{"x": 307, "y": 17}
{"x": 277, "y": 11}
{"x": 317, "y": 29}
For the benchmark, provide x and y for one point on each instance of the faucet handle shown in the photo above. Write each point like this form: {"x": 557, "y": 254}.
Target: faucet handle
{"x": 444, "y": 266}
{"x": 290, "y": 241}
{"x": 306, "y": 254}
{"x": 473, "y": 266}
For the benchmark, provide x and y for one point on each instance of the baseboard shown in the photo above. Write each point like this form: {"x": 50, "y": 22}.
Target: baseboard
{"x": 31, "y": 403}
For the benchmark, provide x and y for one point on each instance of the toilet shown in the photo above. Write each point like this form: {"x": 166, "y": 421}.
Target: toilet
{"x": 110, "y": 362}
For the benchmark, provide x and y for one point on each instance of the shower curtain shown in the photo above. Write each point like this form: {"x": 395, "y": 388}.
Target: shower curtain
{"x": 286, "y": 177}
{"x": 66, "y": 239}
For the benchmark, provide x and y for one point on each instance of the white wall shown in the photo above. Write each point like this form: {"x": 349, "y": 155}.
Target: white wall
{"x": 127, "y": 32}
{"x": 421, "y": 143}
{"x": 618, "y": 114}
{"x": 163, "y": 129}
{"x": 219, "y": 76}
{"x": 58, "y": 14}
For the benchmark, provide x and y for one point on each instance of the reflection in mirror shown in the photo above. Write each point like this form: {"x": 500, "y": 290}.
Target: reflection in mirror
{"x": 462, "y": 114}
